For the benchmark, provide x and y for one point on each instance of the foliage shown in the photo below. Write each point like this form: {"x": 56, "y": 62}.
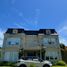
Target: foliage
{"x": 5, "y": 63}
{"x": 62, "y": 46}
{"x": 59, "y": 66}
{"x": 32, "y": 65}
{"x": 60, "y": 63}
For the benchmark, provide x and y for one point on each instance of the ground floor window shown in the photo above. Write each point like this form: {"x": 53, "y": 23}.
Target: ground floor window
{"x": 11, "y": 56}
{"x": 6, "y": 56}
{"x": 32, "y": 54}
{"x": 47, "y": 57}
{"x": 51, "y": 55}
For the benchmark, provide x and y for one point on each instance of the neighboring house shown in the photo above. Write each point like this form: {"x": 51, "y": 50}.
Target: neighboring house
{"x": 43, "y": 43}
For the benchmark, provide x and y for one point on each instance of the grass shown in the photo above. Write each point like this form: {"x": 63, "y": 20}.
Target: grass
{"x": 5, "y": 66}
{"x": 59, "y": 66}
{"x": 52, "y": 66}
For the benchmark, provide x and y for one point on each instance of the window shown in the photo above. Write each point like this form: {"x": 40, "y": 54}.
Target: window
{"x": 17, "y": 43}
{"x": 11, "y": 56}
{"x": 6, "y": 56}
{"x": 9, "y": 43}
{"x": 47, "y": 57}
{"x": 55, "y": 58}
{"x": 51, "y": 57}
{"x": 48, "y": 31}
{"x": 45, "y": 40}
{"x": 13, "y": 41}
{"x": 15, "y": 31}
{"x": 51, "y": 54}
{"x": 49, "y": 41}
{"x": 53, "y": 40}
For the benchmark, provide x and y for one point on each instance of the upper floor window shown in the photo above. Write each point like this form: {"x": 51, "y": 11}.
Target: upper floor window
{"x": 15, "y": 31}
{"x": 13, "y": 41}
{"x": 48, "y": 31}
{"x": 45, "y": 40}
{"x": 53, "y": 40}
{"x": 49, "y": 41}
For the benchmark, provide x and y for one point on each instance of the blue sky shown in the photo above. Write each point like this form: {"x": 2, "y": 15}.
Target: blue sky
{"x": 34, "y": 14}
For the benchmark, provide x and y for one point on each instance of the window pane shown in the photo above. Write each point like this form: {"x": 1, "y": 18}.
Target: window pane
{"x": 45, "y": 40}
{"x": 53, "y": 41}
{"x": 47, "y": 58}
{"x": 13, "y": 41}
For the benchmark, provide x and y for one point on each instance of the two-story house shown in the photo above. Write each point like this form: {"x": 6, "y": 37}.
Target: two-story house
{"x": 43, "y": 43}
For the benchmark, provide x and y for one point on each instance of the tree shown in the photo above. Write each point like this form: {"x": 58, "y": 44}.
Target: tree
{"x": 63, "y": 52}
{"x": 62, "y": 46}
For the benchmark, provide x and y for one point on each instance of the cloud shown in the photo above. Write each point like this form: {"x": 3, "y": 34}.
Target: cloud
{"x": 1, "y": 37}
{"x": 63, "y": 29}
{"x": 63, "y": 40}
{"x": 30, "y": 21}
{"x": 63, "y": 34}
{"x": 27, "y": 21}
{"x": 13, "y": 2}
{"x": 36, "y": 16}
{"x": 19, "y": 25}
{"x": 20, "y": 14}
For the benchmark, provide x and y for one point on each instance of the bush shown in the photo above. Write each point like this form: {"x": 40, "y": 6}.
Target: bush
{"x": 32, "y": 65}
{"x": 5, "y": 63}
{"x": 60, "y": 63}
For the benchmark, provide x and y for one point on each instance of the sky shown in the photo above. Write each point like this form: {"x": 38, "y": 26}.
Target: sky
{"x": 34, "y": 15}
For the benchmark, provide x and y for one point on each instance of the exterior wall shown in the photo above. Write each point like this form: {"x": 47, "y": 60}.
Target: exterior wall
{"x": 10, "y": 48}
{"x": 31, "y": 42}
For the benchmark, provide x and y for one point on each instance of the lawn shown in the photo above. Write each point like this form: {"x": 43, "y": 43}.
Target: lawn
{"x": 52, "y": 66}
{"x": 5, "y": 66}
{"x": 59, "y": 66}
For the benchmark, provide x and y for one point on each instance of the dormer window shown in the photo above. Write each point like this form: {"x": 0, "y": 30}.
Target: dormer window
{"x": 15, "y": 31}
{"x": 48, "y": 31}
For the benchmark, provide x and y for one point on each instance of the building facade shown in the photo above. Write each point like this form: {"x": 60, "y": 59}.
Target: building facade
{"x": 43, "y": 43}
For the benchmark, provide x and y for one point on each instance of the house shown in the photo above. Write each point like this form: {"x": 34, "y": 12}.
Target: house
{"x": 43, "y": 43}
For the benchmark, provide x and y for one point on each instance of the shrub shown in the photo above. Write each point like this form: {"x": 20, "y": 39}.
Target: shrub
{"x": 5, "y": 63}
{"x": 32, "y": 65}
{"x": 61, "y": 63}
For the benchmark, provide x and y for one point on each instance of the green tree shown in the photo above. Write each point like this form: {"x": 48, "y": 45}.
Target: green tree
{"x": 62, "y": 46}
